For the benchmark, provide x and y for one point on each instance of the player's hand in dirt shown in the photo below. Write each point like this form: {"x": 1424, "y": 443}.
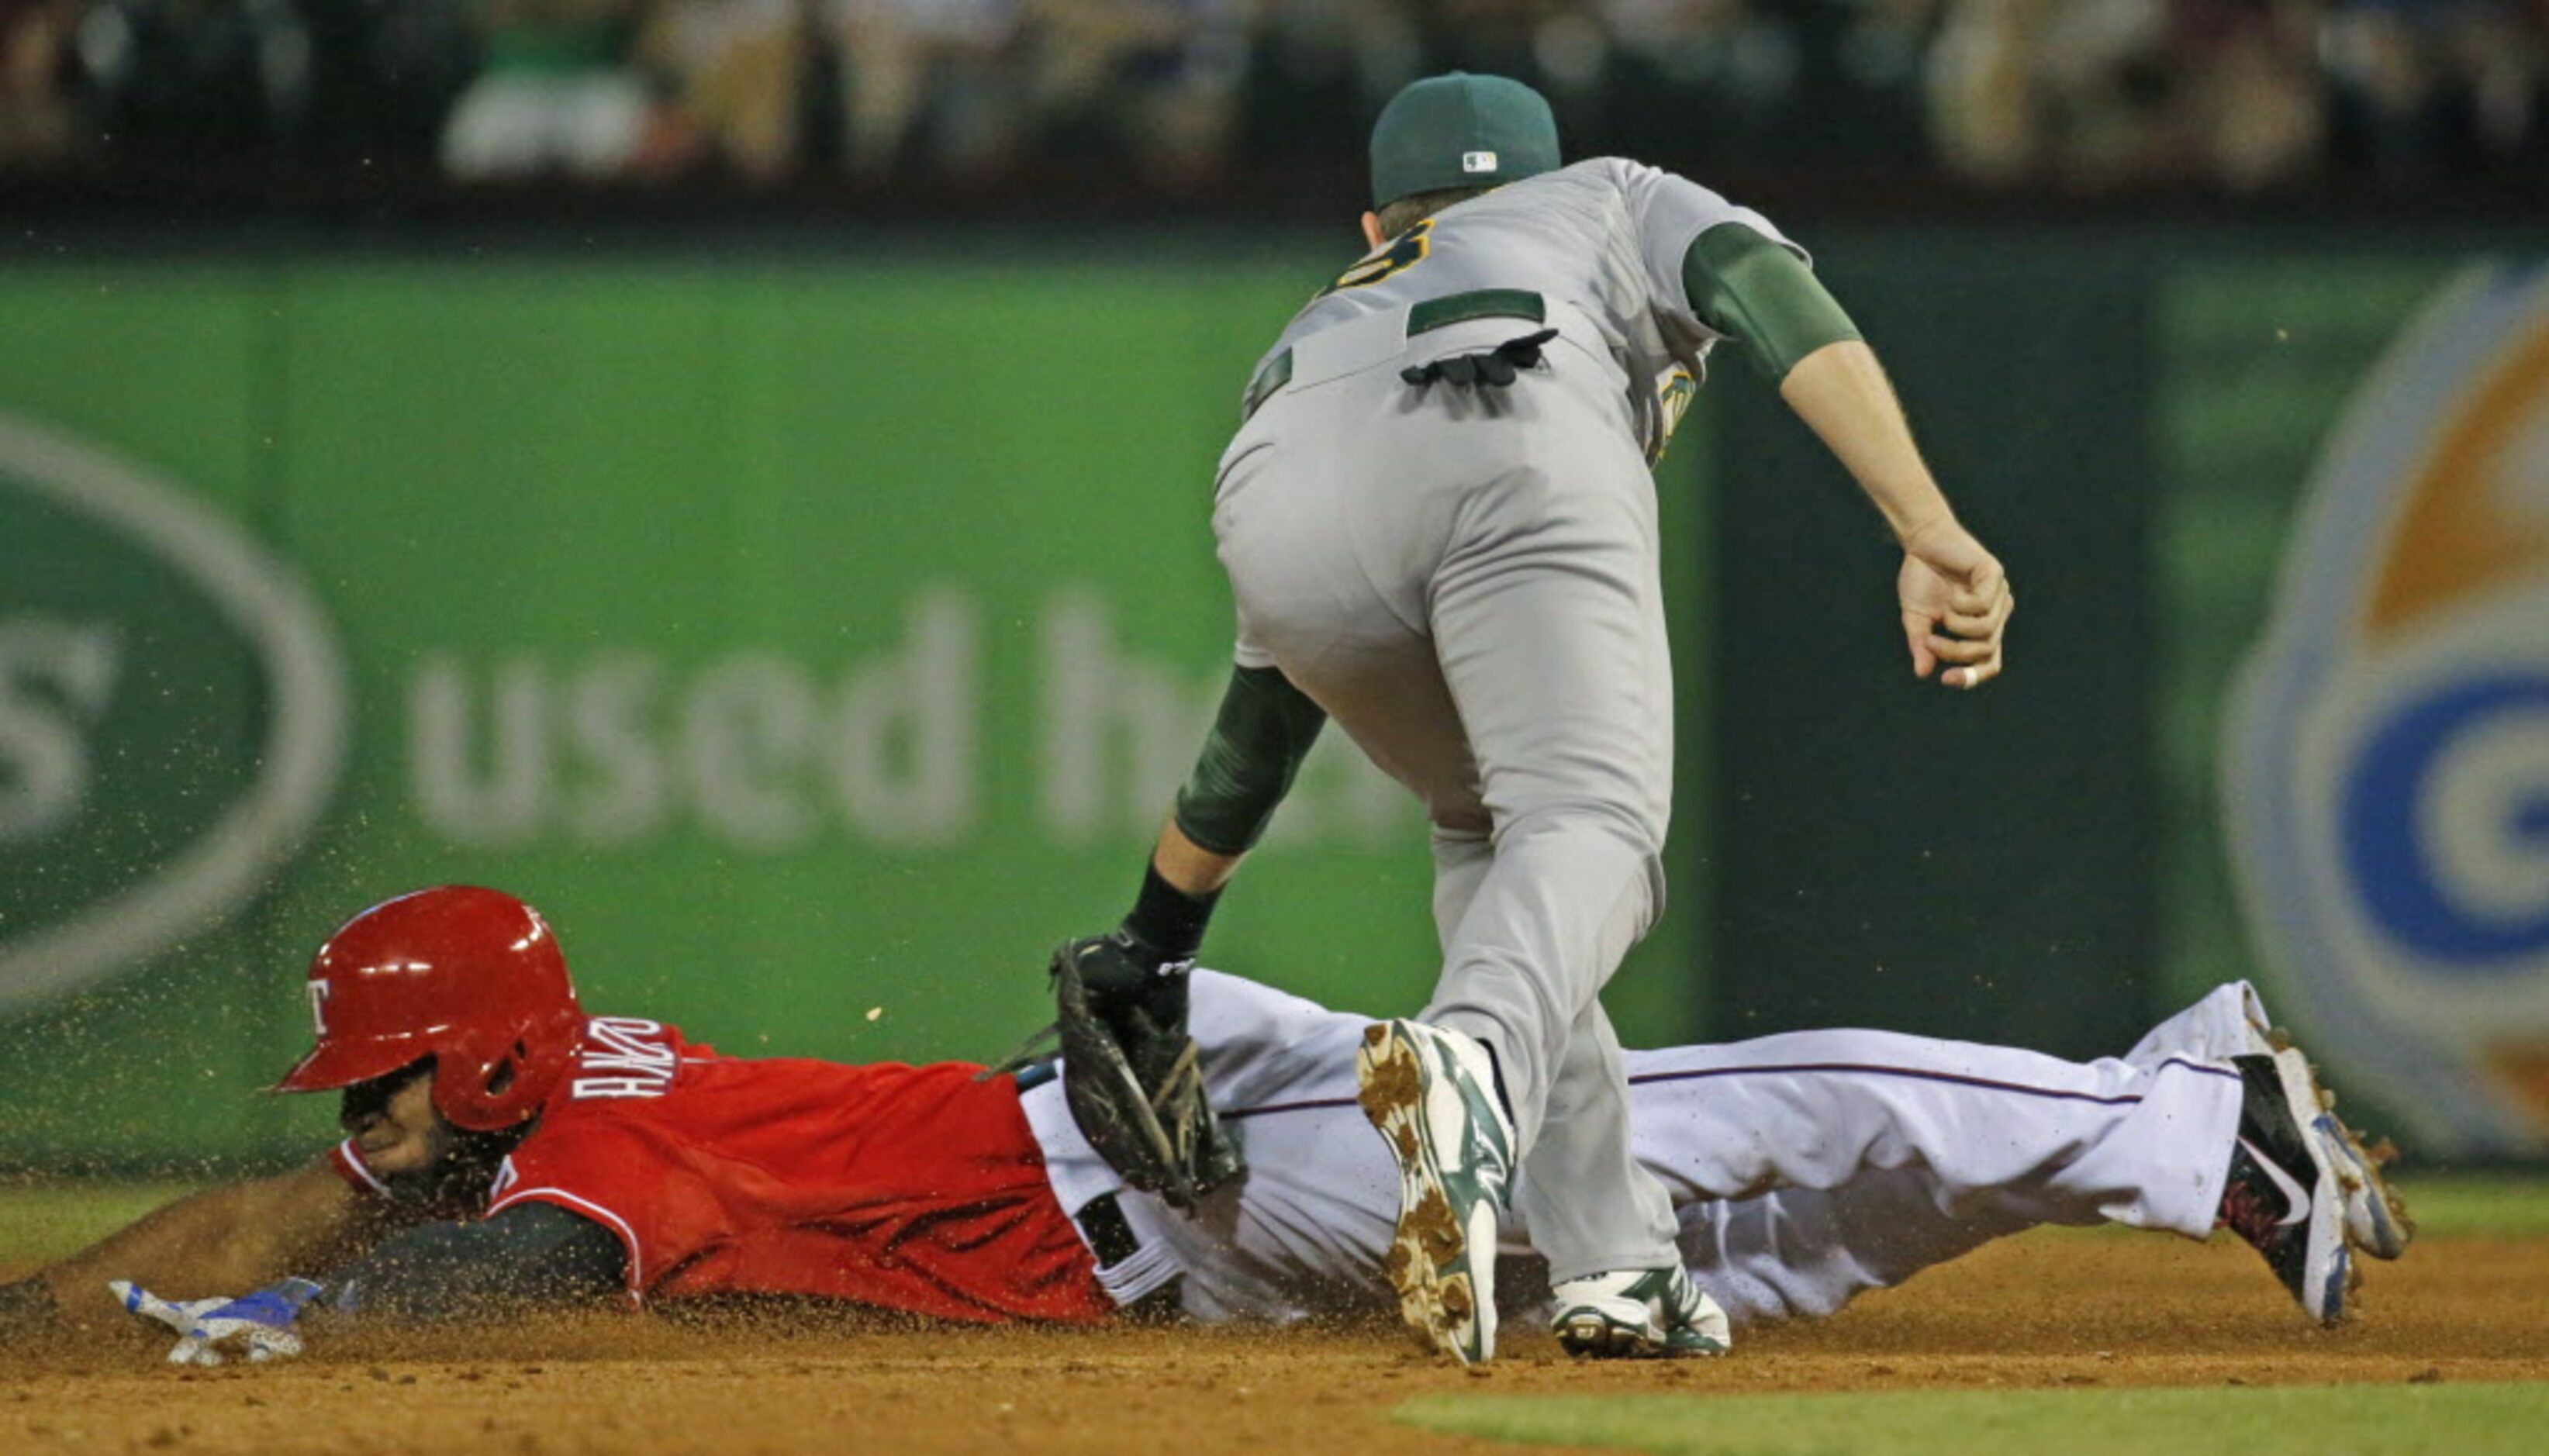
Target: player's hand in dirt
{"x": 259, "y": 1325}
{"x": 1957, "y": 604}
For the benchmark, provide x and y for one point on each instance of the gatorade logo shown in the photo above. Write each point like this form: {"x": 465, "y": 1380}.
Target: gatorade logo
{"x": 2387, "y": 760}
{"x": 172, "y": 714}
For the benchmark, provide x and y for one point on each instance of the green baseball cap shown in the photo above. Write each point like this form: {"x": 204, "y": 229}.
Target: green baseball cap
{"x": 1460, "y": 131}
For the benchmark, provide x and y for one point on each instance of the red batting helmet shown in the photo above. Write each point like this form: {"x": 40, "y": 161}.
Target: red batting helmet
{"x": 470, "y": 978}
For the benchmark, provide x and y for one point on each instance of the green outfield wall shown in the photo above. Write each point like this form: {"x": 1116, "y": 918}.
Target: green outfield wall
{"x": 817, "y": 640}
{"x": 817, "y": 645}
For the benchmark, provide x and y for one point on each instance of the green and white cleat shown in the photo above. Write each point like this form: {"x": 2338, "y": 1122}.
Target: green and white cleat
{"x": 1432, "y": 1093}
{"x": 1639, "y": 1315}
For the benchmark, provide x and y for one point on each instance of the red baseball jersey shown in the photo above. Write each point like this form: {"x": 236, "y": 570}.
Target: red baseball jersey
{"x": 912, "y": 1188}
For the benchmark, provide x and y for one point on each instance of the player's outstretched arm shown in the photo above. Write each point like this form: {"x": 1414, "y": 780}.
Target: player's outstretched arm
{"x": 1132, "y": 1074}
{"x": 526, "y": 1257}
{"x": 217, "y": 1242}
{"x": 1843, "y": 394}
{"x": 1263, "y": 731}
{"x": 1955, "y": 598}
{"x": 1759, "y": 293}
{"x": 529, "y": 1256}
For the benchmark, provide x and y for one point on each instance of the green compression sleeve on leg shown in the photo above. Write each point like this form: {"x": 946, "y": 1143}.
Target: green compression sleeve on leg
{"x": 1761, "y": 294}
{"x": 1264, "y": 730}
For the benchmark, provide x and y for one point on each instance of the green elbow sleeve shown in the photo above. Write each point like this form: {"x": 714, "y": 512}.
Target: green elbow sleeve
{"x": 1763, "y": 296}
{"x": 1264, "y": 729}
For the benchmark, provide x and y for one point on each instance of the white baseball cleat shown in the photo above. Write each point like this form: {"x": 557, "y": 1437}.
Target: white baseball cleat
{"x": 1432, "y": 1093}
{"x": 1639, "y": 1315}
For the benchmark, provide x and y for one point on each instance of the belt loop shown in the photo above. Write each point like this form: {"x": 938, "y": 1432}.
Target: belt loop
{"x": 1276, "y": 373}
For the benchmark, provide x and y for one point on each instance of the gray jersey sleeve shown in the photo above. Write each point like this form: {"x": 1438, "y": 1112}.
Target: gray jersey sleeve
{"x": 1669, "y": 214}
{"x": 1603, "y": 238}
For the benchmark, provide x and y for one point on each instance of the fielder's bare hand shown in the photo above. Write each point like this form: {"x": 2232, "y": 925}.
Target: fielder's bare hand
{"x": 1957, "y": 604}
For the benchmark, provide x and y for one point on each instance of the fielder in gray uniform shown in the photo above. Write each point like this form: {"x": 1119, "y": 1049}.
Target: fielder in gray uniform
{"x": 1440, "y": 530}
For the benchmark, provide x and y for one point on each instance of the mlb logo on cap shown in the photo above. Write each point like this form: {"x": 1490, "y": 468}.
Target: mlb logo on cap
{"x": 1478, "y": 162}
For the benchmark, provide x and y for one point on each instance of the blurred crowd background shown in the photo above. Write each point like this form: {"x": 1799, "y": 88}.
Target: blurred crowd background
{"x": 2231, "y": 96}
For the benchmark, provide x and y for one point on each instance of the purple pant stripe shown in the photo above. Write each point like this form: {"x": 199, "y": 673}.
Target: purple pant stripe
{"x": 1919, "y": 1074}
{"x": 1778, "y": 1069}
{"x": 1234, "y": 1114}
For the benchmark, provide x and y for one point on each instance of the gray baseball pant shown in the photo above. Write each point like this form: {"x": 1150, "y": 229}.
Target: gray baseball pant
{"x": 1467, "y": 581}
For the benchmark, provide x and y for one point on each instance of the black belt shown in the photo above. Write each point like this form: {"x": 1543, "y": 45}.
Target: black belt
{"x": 1101, "y": 1220}
{"x": 1110, "y": 1236}
{"x": 1425, "y": 317}
{"x": 1102, "y": 1224}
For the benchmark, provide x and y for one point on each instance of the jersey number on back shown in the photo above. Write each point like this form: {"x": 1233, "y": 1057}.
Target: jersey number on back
{"x": 1399, "y": 254}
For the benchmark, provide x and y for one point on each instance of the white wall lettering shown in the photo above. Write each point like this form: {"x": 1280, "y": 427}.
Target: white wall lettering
{"x": 56, "y": 681}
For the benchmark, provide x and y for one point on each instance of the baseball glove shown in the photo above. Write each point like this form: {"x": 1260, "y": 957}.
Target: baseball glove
{"x": 1131, "y": 1075}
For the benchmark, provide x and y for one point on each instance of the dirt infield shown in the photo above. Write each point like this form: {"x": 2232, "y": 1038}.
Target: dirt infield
{"x": 2051, "y": 1309}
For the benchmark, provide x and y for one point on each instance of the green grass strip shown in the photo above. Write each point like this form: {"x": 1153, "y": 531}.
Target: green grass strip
{"x": 2469, "y": 1419}
{"x": 46, "y": 1222}
{"x": 2494, "y": 1206}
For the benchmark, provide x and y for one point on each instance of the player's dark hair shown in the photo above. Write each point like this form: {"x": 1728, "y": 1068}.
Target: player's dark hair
{"x": 1416, "y": 206}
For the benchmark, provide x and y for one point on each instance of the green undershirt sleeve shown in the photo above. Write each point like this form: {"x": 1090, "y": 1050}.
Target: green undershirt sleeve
{"x": 1763, "y": 296}
{"x": 529, "y": 1255}
{"x": 1265, "y": 728}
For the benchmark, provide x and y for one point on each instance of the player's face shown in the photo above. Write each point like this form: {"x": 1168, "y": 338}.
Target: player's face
{"x": 424, "y": 1161}
{"x": 394, "y": 1127}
